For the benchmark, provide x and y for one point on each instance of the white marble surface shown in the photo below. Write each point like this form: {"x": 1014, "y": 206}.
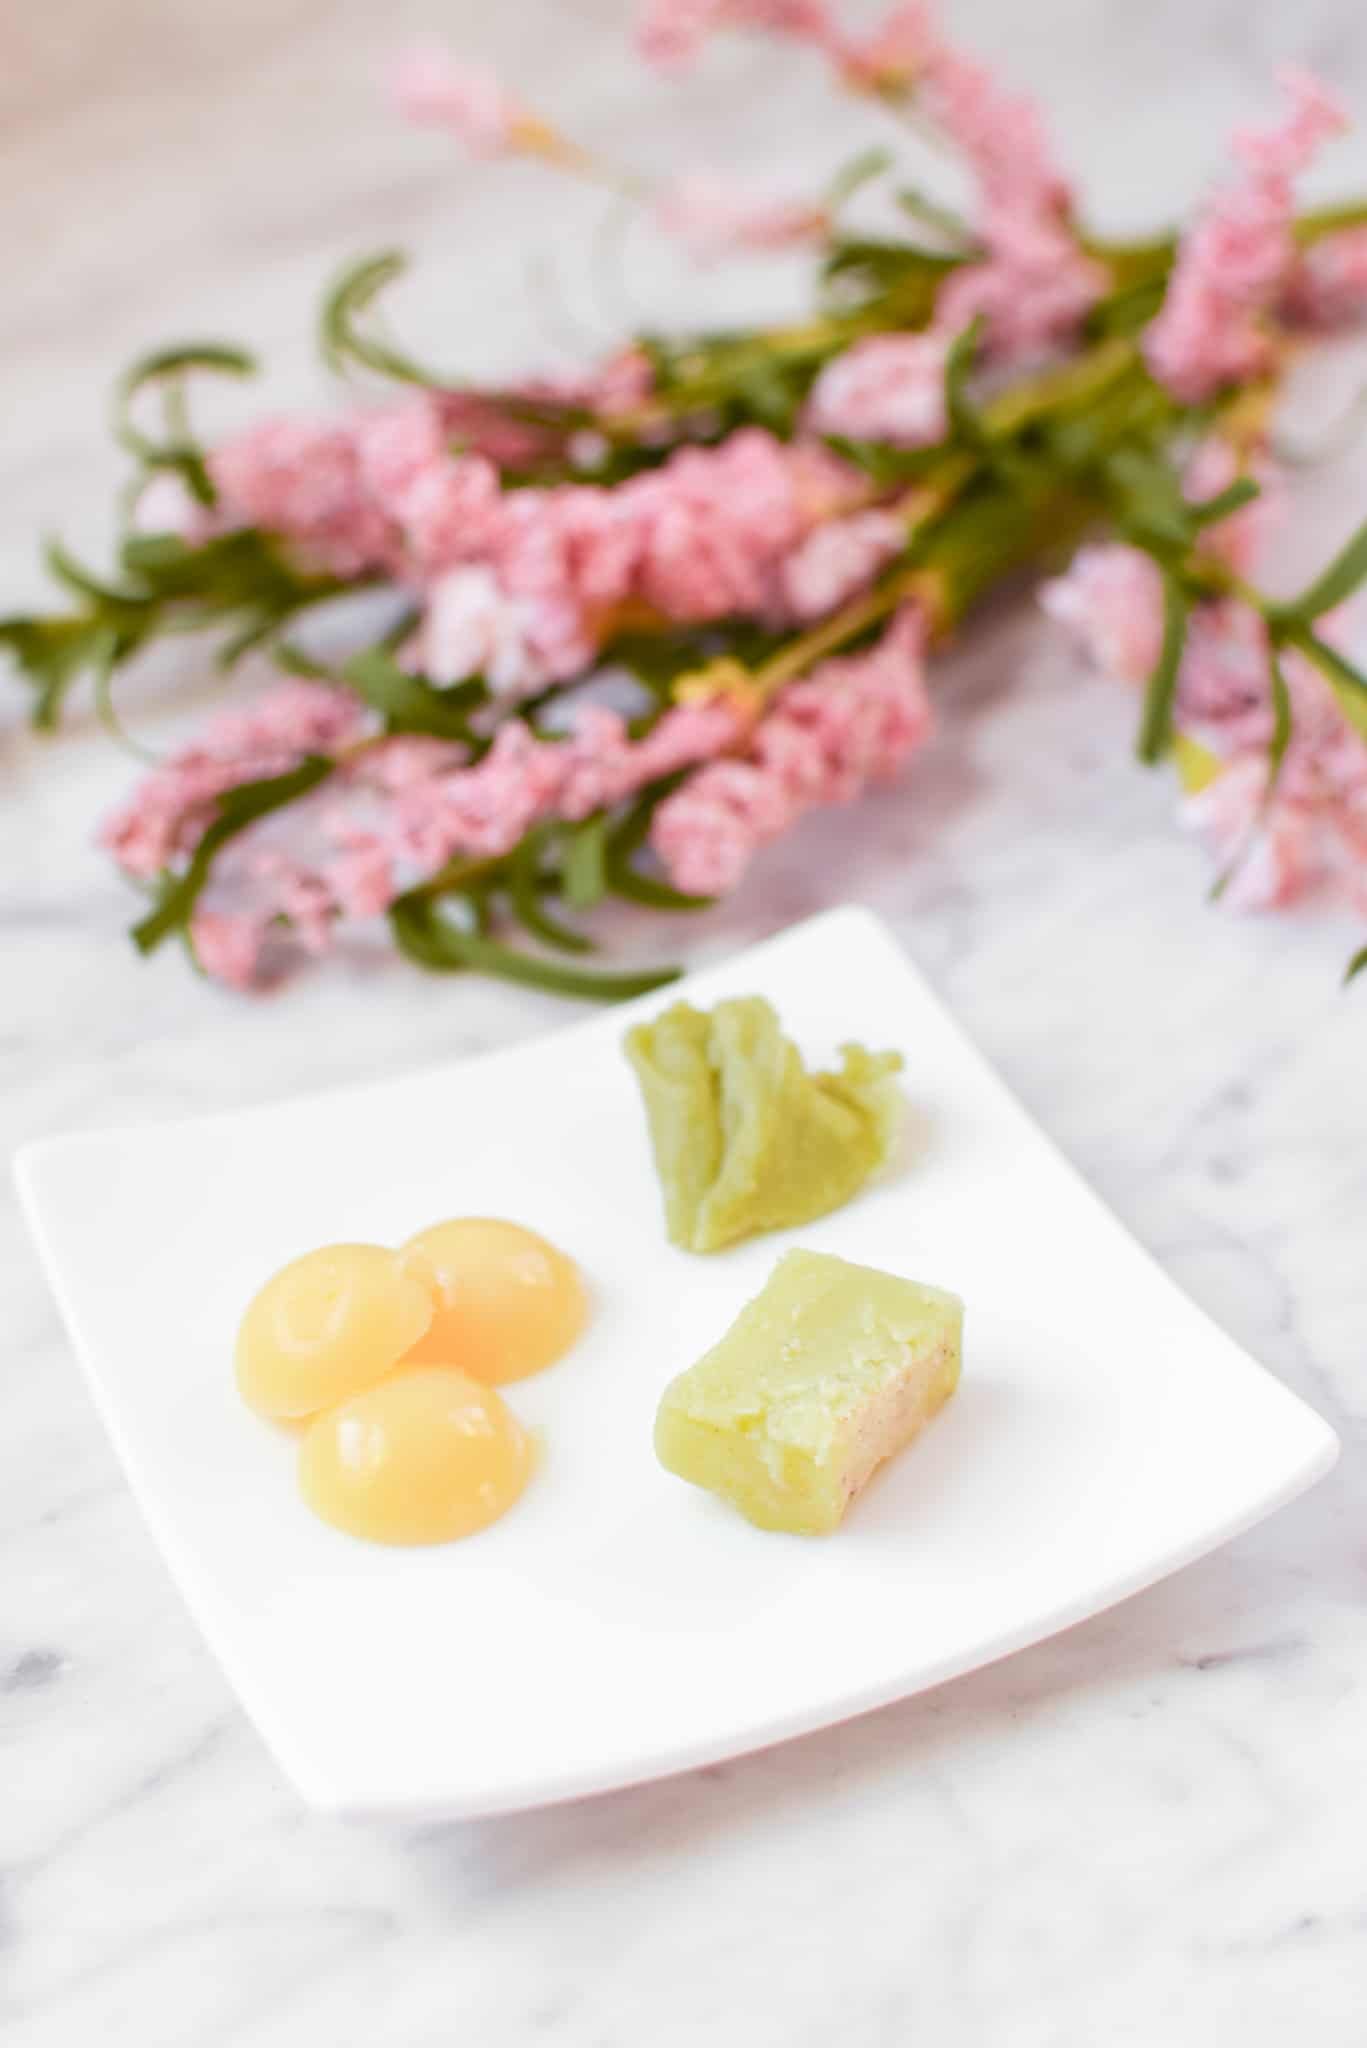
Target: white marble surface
{"x": 1147, "y": 1833}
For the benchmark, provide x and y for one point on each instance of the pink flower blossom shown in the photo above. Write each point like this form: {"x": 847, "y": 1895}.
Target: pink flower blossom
{"x": 1032, "y": 292}
{"x": 171, "y": 807}
{"x": 895, "y": 54}
{"x": 838, "y": 559}
{"x": 1234, "y": 265}
{"x": 670, "y": 33}
{"x": 1000, "y": 133}
{"x": 1111, "y": 598}
{"x": 404, "y": 807}
{"x": 448, "y": 513}
{"x": 473, "y": 626}
{"x": 623, "y": 382}
{"x": 716, "y": 216}
{"x": 1328, "y": 286}
{"x": 887, "y": 387}
{"x": 853, "y": 721}
{"x": 436, "y": 90}
{"x": 714, "y": 524}
{"x": 619, "y": 384}
{"x": 396, "y": 443}
{"x": 360, "y": 880}
{"x": 1311, "y": 836}
{"x": 228, "y": 944}
{"x": 1267, "y": 855}
{"x": 302, "y": 479}
{"x": 1240, "y": 538}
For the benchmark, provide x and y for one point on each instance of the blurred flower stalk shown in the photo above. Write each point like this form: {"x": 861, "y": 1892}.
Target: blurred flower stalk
{"x": 642, "y": 618}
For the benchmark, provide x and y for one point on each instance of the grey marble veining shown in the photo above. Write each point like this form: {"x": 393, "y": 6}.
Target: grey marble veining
{"x": 1146, "y": 1833}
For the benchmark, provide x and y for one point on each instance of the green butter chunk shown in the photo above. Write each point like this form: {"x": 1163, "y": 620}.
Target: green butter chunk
{"x": 829, "y": 1371}
{"x": 744, "y": 1138}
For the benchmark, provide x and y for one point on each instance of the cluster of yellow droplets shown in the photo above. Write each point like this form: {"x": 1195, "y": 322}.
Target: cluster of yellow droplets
{"x": 389, "y": 1360}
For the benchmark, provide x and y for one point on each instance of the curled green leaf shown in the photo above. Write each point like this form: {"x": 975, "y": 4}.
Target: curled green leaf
{"x": 584, "y": 866}
{"x": 167, "y": 367}
{"x": 1345, "y": 574}
{"x": 1281, "y": 723}
{"x": 1347, "y": 682}
{"x": 1233, "y": 498}
{"x": 424, "y": 935}
{"x": 859, "y": 171}
{"x": 623, "y": 878}
{"x": 1155, "y": 725}
{"x": 965, "y": 423}
{"x": 342, "y": 338}
{"x": 526, "y": 886}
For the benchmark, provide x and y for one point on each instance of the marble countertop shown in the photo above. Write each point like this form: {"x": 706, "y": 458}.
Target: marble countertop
{"x": 1146, "y": 1833}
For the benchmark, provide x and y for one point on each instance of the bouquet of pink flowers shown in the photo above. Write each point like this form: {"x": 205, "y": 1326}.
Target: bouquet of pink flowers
{"x": 628, "y": 626}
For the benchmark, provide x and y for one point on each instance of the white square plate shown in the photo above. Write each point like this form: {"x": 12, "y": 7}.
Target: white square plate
{"x": 619, "y": 1625}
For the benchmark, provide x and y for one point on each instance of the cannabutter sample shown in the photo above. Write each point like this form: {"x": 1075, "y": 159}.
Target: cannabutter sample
{"x": 745, "y": 1139}
{"x": 831, "y": 1370}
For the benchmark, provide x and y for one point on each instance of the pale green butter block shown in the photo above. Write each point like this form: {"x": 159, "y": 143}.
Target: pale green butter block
{"x": 829, "y": 1371}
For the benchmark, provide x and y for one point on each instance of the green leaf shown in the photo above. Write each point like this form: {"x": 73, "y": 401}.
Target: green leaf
{"x": 1210, "y": 511}
{"x": 883, "y": 464}
{"x": 53, "y": 653}
{"x": 103, "y": 665}
{"x": 1155, "y": 725}
{"x": 237, "y": 809}
{"x": 630, "y": 834}
{"x": 633, "y": 887}
{"x": 181, "y": 454}
{"x": 1348, "y": 683}
{"x": 1355, "y": 966}
{"x": 965, "y": 423}
{"x": 353, "y": 295}
{"x": 859, "y": 171}
{"x": 407, "y": 702}
{"x": 1146, "y": 494}
{"x": 525, "y": 888}
{"x": 76, "y": 578}
{"x": 918, "y": 205}
{"x": 1281, "y": 723}
{"x": 584, "y": 868}
{"x": 424, "y": 935}
{"x": 1276, "y": 754}
{"x": 1344, "y": 575}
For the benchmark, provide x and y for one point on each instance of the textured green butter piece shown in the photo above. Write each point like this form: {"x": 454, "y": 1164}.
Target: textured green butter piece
{"x": 832, "y": 1369}
{"x": 744, "y": 1138}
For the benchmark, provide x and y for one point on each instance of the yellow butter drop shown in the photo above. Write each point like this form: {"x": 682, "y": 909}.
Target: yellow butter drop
{"x": 427, "y": 1456}
{"x": 829, "y": 1371}
{"x": 325, "y": 1326}
{"x": 507, "y": 1302}
{"x": 744, "y": 1138}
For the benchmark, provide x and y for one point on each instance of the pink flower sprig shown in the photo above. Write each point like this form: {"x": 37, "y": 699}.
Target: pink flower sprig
{"x": 853, "y": 721}
{"x": 671, "y": 33}
{"x": 716, "y": 216}
{"x": 1282, "y": 797}
{"x": 1234, "y": 267}
{"x": 393, "y": 814}
{"x": 435, "y": 89}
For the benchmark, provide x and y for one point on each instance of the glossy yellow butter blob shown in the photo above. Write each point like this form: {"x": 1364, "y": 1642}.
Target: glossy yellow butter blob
{"x": 427, "y": 1456}
{"x": 507, "y": 1302}
{"x": 326, "y": 1326}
